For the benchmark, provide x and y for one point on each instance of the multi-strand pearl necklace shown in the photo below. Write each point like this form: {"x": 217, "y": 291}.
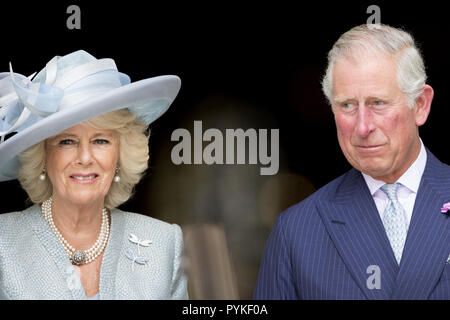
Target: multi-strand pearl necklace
{"x": 79, "y": 257}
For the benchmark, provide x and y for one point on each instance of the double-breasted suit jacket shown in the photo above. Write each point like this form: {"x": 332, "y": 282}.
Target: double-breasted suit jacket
{"x": 329, "y": 245}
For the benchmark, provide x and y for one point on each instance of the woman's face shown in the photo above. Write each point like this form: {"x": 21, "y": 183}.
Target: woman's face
{"x": 81, "y": 164}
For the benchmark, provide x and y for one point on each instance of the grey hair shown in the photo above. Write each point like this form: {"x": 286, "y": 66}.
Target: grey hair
{"x": 411, "y": 76}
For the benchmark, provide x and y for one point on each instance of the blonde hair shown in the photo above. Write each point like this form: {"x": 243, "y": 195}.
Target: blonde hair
{"x": 133, "y": 159}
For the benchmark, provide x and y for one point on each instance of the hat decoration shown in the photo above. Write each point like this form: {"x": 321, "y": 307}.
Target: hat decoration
{"x": 69, "y": 90}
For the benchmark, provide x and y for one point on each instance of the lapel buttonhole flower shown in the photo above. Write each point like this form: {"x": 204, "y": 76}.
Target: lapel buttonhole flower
{"x": 446, "y": 209}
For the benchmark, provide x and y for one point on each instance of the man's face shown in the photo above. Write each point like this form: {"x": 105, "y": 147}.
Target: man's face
{"x": 377, "y": 131}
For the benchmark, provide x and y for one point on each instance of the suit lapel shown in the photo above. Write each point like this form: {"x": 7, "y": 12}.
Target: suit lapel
{"x": 428, "y": 241}
{"x": 354, "y": 225}
{"x": 108, "y": 271}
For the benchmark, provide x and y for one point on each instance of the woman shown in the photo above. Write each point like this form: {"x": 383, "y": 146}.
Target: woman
{"x": 79, "y": 149}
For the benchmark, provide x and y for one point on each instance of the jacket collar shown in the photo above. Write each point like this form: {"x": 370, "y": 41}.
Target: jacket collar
{"x": 428, "y": 241}
{"x": 59, "y": 257}
{"x": 110, "y": 260}
{"x": 355, "y": 227}
{"x": 56, "y": 253}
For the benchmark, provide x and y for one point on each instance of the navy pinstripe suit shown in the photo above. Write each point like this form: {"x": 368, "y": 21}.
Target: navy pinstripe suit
{"x": 321, "y": 247}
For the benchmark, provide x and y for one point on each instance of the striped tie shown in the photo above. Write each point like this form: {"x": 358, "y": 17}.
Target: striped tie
{"x": 394, "y": 220}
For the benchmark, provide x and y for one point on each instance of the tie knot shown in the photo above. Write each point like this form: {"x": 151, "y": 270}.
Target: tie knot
{"x": 391, "y": 190}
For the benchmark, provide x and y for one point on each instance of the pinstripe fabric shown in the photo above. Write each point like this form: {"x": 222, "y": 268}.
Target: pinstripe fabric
{"x": 321, "y": 248}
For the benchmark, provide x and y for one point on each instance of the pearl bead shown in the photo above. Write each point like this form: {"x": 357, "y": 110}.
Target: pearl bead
{"x": 116, "y": 179}
{"x": 42, "y": 177}
{"x": 91, "y": 253}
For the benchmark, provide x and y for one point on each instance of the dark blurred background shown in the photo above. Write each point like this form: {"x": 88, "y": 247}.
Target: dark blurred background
{"x": 243, "y": 65}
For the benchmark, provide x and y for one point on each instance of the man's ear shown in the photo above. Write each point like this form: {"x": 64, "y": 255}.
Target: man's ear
{"x": 423, "y": 105}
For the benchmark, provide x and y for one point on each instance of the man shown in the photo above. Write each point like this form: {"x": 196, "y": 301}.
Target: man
{"x": 376, "y": 232}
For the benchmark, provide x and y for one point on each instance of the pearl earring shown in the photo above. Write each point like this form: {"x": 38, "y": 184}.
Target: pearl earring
{"x": 43, "y": 175}
{"x": 117, "y": 177}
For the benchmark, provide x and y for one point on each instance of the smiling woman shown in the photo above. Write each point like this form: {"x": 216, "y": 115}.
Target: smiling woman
{"x": 115, "y": 137}
{"x": 80, "y": 148}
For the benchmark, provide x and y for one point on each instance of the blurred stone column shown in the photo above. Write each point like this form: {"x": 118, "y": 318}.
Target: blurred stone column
{"x": 208, "y": 264}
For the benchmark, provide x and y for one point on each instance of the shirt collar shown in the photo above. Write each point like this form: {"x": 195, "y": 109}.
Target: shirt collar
{"x": 410, "y": 179}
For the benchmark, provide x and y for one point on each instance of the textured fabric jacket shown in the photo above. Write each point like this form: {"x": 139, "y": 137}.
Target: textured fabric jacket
{"x": 330, "y": 245}
{"x": 34, "y": 265}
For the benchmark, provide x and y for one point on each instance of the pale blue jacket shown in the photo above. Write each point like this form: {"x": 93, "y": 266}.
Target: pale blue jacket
{"x": 34, "y": 265}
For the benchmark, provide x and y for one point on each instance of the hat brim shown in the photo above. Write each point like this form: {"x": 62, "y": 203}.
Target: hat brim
{"x": 154, "y": 89}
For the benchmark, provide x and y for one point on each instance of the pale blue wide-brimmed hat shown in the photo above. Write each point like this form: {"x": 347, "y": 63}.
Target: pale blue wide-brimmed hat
{"x": 69, "y": 90}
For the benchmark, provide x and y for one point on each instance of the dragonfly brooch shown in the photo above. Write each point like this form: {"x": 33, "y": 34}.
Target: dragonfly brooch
{"x": 137, "y": 258}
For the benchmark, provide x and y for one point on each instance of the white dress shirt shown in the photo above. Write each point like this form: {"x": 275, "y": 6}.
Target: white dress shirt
{"x": 407, "y": 191}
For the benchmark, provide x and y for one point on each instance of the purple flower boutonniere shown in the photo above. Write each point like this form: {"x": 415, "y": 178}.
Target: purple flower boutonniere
{"x": 446, "y": 209}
